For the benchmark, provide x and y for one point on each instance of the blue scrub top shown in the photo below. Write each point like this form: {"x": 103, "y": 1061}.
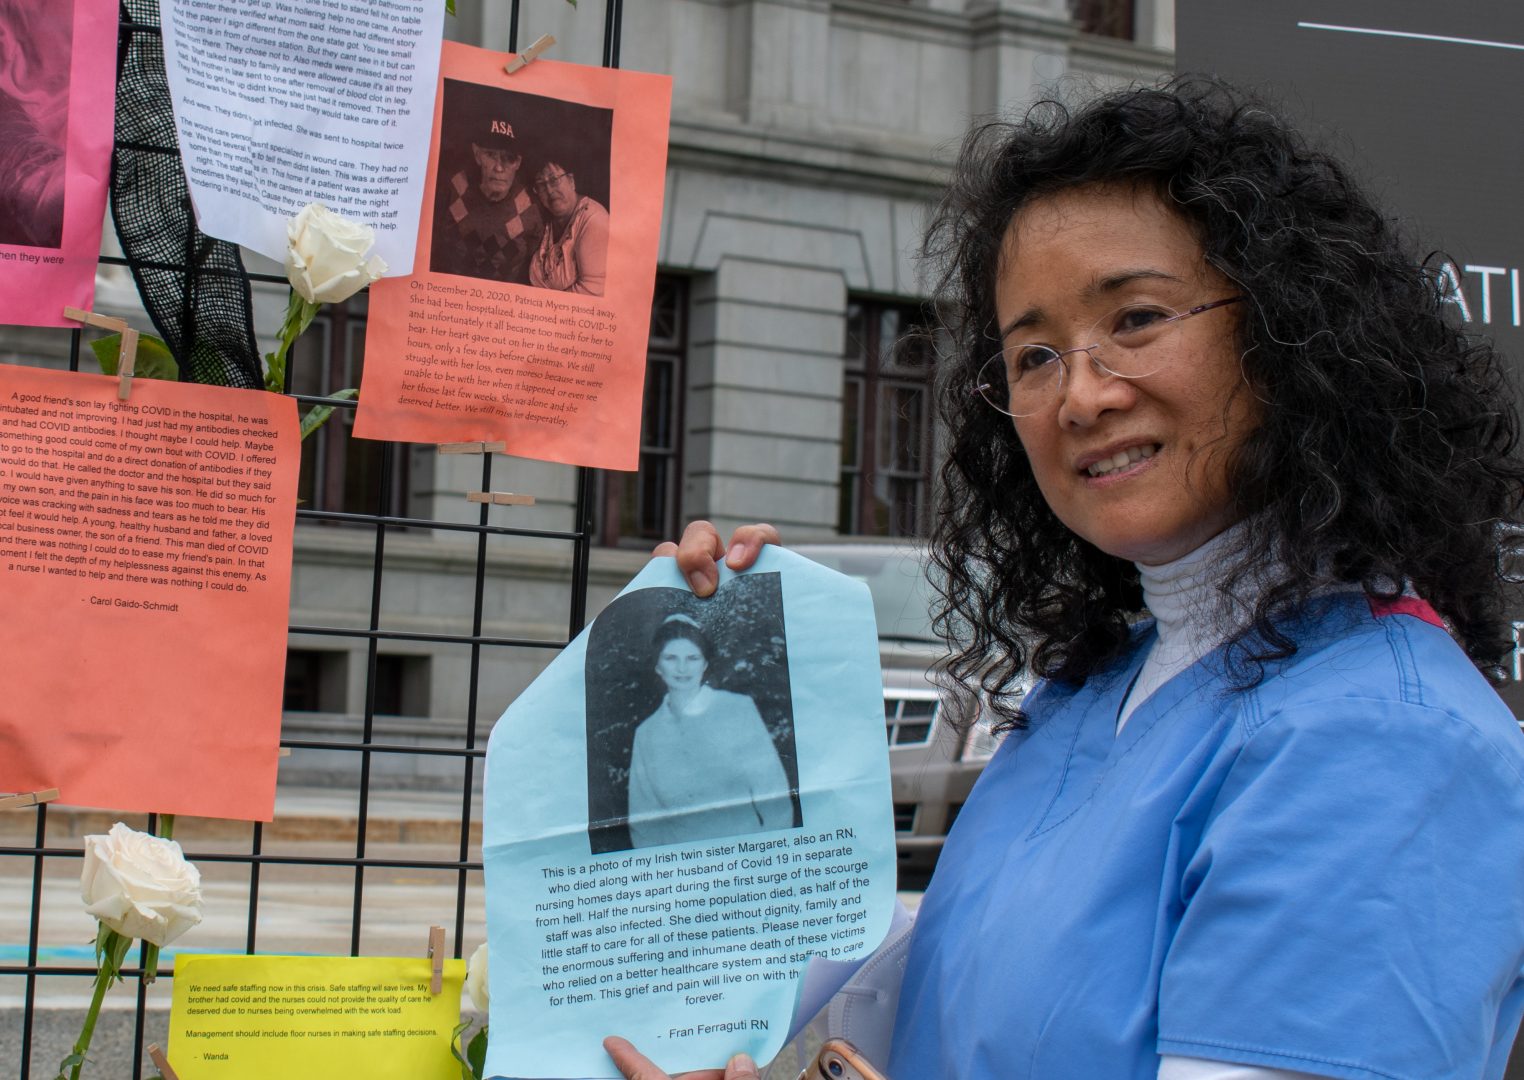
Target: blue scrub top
{"x": 1323, "y": 873}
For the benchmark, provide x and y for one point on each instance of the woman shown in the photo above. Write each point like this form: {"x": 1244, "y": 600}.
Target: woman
{"x": 1276, "y": 830}
{"x": 574, "y": 249}
{"x": 703, "y": 764}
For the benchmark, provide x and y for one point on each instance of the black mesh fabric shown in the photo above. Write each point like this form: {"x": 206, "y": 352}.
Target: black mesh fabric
{"x": 194, "y": 287}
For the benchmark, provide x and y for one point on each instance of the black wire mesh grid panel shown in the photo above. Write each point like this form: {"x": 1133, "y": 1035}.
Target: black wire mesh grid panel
{"x": 243, "y": 850}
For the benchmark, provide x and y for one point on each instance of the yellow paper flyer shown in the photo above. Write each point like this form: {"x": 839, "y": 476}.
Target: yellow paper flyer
{"x": 257, "y": 1017}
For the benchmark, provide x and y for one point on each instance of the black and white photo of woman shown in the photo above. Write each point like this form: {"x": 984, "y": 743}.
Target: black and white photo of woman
{"x": 690, "y": 723}
{"x": 703, "y": 764}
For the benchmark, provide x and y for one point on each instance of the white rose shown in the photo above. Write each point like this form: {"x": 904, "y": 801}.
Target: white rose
{"x": 325, "y": 255}
{"x": 140, "y": 885}
{"x": 476, "y": 978}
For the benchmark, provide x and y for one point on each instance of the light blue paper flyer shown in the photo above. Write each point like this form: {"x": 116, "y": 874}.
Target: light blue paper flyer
{"x": 689, "y": 803}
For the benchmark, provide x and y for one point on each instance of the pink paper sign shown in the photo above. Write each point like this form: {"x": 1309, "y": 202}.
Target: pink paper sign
{"x": 57, "y": 107}
{"x": 145, "y": 561}
{"x": 525, "y": 317}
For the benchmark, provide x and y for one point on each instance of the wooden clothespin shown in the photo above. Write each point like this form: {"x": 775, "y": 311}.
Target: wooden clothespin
{"x": 519, "y": 62}
{"x": 473, "y": 447}
{"x": 127, "y": 352}
{"x": 162, "y": 1063}
{"x": 28, "y": 798}
{"x": 436, "y": 959}
{"x": 499, "y": 498}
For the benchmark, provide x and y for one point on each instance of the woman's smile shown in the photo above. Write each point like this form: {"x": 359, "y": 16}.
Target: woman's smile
{"x": 1112, "y": 465}
{"x": 681, "y": 665}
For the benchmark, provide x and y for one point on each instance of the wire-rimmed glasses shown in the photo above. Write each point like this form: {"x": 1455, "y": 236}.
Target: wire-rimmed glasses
{"x": 1130, "y": 343}
{"x": 543, "y": 185}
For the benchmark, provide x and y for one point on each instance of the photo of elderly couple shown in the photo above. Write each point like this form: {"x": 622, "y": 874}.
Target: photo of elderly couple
{"x": 690, "y": 725}
{"x": 521, "y": 194}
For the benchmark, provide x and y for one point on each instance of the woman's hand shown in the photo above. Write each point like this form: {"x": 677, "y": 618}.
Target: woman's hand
{"x": 634, "y": 1065}
{"x": 700, "y": 548}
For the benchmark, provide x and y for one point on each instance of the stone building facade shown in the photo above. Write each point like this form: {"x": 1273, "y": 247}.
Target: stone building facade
{"x": 807, "y": 139}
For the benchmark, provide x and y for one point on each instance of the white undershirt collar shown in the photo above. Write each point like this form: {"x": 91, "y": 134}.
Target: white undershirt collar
{"x": 1187, "y": 607}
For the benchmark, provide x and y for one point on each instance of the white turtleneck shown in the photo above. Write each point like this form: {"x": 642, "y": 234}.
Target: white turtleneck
{"x": 1190, "y": 622}
{"x": 1182, "y": 597}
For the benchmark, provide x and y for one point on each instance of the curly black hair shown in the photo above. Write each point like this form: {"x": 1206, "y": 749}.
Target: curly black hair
{"x": 1386, "y": 453}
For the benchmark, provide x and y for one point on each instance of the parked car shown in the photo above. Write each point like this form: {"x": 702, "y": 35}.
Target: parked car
{"x": 932, "y": 764}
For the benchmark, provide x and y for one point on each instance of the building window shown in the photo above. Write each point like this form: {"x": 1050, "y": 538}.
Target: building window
{"x": 639, "y": 507}
{"x": 402, "y": 686}
{"x": 1108, "y": 18}
{"x": 885, "y": 423}
{"x": 316, "y": 680}
{"x": 909, "y": 717}
{"x": 340, "y": 472}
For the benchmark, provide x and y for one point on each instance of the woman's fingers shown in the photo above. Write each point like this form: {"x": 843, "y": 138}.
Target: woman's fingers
{"x": 746, "y": 544}
{"x": 700, "y": 548}
{"x": 741, "y": 1067}
{"x": 696, "y": 554}
{"x": 633, "y": 1065}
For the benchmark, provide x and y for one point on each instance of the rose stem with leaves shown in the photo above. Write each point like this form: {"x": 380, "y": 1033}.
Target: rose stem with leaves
{"x": 299, "y": 315}
{"x": 110, "y": 950}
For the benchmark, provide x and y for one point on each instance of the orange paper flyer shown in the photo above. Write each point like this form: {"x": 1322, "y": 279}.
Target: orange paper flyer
{"x": 526, "y": 315}
{"x": 145, "y": 561}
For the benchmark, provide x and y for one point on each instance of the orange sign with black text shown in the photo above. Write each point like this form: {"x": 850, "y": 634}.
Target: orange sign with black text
{"x": 526, "y": 316}
{"x": 145, "y": 561}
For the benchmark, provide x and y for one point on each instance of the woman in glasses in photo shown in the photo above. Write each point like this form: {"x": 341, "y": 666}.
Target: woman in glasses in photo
{"x": 1224, "y": 470}
{"x": 574, "y": 249}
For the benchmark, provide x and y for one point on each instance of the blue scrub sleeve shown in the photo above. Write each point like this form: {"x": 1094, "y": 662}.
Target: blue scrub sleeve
{"x": 1355, "y": 903}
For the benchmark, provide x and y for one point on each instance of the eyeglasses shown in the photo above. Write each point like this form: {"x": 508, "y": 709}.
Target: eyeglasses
{"x": 544, "y": 184}
{"x": 1130, "y": 343}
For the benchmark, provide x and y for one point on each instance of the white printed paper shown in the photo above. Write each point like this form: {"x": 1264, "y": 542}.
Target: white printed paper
{"x": 280, "y": 103}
